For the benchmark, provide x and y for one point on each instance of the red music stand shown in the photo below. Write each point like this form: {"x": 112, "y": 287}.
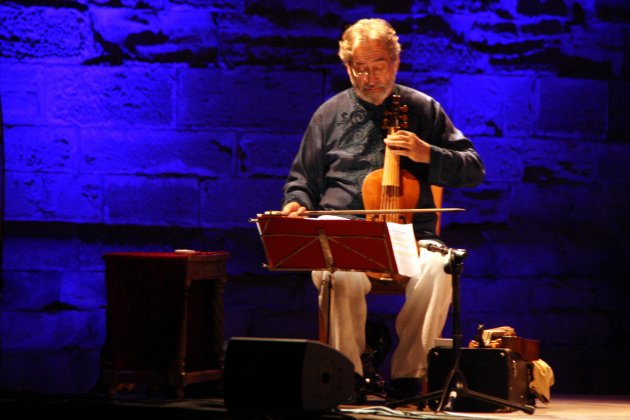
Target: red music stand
{"x": 299, "y": 244}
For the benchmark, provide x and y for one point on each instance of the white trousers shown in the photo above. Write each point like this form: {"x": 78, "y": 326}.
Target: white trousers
{"x": 419, "y": 322}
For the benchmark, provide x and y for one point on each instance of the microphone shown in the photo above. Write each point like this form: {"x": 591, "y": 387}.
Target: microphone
{"x": 434, "y": 248}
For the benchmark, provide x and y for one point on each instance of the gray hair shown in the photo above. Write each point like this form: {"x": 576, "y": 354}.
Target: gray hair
{"x": 368, "y": 29}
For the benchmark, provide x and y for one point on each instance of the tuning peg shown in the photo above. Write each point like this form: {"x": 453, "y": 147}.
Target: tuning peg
{"x": 404, "y": 108}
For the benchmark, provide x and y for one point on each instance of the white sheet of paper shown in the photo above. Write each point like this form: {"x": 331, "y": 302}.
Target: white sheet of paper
{"x": 405, "y": 248}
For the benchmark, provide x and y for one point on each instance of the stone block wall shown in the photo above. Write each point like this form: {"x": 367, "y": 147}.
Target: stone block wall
{"x": 162, "y": 124}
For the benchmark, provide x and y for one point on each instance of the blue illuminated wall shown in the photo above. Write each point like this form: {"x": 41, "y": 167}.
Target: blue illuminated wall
{"x": 162, "y": 124}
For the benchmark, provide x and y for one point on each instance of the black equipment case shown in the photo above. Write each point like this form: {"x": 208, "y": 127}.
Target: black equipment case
{"x": 499, "y": 372}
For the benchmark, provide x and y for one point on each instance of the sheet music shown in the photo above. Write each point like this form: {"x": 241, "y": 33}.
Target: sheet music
{"x": 329, "y": 217}
{"x": 405, "y": 248}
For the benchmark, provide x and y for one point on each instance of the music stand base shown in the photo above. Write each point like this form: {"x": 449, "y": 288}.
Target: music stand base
{"x": 455, "y": 386}
{"x": 461, "y": 392}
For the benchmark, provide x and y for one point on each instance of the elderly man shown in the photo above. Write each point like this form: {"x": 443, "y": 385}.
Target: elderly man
{"x": 343, "y": 143}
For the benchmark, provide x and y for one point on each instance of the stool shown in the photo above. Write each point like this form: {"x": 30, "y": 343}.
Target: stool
{"x": 164, "y": 319}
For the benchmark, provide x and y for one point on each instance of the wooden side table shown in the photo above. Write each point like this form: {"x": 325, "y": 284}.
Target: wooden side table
{"x": 164, "y": 319}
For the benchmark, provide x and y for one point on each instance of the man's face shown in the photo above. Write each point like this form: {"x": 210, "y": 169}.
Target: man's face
{"x": 372, "y": 72}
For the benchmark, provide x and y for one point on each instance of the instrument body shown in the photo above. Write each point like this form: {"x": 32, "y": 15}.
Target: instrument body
{"x": 390, "y": 187}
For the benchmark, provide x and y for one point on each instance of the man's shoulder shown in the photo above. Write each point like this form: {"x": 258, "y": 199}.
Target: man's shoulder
{"x": 414, "y": 95}
{"x": 339, "y": 98}
{"x": 335, "y": 103}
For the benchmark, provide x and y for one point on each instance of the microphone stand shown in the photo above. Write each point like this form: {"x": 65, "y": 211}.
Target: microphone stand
{"x": 455, "y": 385}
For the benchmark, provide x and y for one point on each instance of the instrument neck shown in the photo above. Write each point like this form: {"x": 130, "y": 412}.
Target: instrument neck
{"x": 391, "y": 166}
{"x": 390, "y": 188}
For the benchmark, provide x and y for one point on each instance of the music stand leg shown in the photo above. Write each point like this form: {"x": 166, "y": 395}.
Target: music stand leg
{"x": 455, "y": 385}
{"x": 326, "y": 292}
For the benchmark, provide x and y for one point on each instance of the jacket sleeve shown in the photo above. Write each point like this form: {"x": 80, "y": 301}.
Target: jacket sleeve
{"x": 454, "y": 160}
{"x": 305, "y": 182}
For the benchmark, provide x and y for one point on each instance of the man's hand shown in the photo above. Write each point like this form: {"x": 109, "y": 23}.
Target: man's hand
{"x": 406, "y": 143}
{"x": 294, "y": 209}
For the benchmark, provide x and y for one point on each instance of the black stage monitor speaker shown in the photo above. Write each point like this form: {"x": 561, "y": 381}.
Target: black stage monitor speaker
{"x": 285, "y": 375}
{"x": 500, "y": 373}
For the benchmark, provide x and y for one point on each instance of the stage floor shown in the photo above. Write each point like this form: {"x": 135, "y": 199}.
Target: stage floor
{"x": 561, "y": 407}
